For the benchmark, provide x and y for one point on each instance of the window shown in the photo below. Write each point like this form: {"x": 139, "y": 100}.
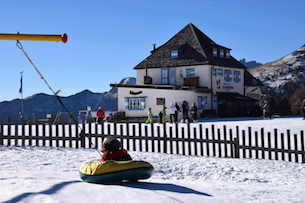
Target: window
{"x": 160, "y": 101}
{"x": 164, "y": 76}
{"x": 228, "y": 75}
{"x": 219, "y": 72}
{"x": 174, "y": 54}
{"x": 190, "y": 72}
{"x": 222, "y": 53}
{"x": 135, "y": 103}
{"x": 202, "y": 102}
{"x": 214, "y": 51}
{"x": 228, "y": 54}
{"x": 236, "y": 76}
{"x": 214, "y": 71}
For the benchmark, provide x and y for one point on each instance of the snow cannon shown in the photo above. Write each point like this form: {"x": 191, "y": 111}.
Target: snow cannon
{"x": 112, "y": 171}
{"x": 35, "y": 37}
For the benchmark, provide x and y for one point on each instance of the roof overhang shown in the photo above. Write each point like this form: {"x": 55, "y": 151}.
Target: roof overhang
{"x": 166, "y": 87}
{"x": 233, "y": 96}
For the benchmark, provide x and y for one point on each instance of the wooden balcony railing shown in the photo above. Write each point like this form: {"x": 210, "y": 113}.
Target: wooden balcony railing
{"x": 193, "y": 81}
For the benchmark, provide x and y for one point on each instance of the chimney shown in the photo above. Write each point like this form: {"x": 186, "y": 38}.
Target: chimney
{"x": 154, "y": 48}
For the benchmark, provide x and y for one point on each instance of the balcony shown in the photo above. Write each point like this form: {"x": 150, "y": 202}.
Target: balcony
{"x": 191, "y": 82}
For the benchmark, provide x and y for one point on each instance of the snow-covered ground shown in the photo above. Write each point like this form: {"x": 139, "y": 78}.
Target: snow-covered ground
{"x": 41, "y": 174}
{"x": 294, "y": 124}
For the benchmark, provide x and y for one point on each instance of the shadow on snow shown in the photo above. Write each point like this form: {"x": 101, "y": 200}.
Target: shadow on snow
{"x": 55, "y": 188}
{"x": 163, "y": 187}
{"x": 139, "y": 185}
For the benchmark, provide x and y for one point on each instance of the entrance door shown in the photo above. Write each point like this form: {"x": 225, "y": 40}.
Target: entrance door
{"x": 172, "y": 76}
{"x": 164, "y": 76}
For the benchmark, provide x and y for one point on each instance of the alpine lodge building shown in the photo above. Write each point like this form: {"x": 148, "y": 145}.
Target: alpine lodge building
{"x": 189, "y": 67}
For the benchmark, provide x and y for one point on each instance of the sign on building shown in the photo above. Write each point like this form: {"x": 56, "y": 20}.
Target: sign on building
{"x": 160, "y": 101}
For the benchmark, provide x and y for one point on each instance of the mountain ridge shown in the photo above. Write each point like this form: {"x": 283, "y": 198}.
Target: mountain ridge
{"x": 286, "y": 79}
{"x": 40, "y": 104}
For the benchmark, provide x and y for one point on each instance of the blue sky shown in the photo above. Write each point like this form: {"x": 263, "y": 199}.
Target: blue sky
{"x": 108, "y": 38}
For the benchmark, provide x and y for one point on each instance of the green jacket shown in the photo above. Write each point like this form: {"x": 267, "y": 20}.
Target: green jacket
{"x": 149, "y": 117}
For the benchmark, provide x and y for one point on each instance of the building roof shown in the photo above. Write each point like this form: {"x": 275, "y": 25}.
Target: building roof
{"x": 251, "y": 81}
{"x": 194, "y": 48}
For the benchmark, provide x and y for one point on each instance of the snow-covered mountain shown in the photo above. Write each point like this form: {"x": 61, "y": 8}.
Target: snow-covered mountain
{"x": 286, "y": 77}
{"x": 288, "y": 69}
{"x": 250, "y": 64}
{"x": 124, "y": 81}
{"x": 42, "y": 104}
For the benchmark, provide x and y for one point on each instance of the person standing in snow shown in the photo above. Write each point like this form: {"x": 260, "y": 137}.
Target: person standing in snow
{"x": 271, "y": 106}
{"x": 162, "y": 115}
{"x": 149, "y": 116}
{"x": 100, "y": 114}
{"x": 193, "y": 112}
{"x": 172, "y": 112}
{"x": 267, "y": 108}
{"x": 177, "y": 112}
{"x": 185, "y": 111}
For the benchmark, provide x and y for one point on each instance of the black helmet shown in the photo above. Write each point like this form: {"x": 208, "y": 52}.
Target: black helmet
{"x": 111, "y": 144}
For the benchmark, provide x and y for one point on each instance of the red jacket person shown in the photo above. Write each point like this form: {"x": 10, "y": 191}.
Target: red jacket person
{"x": 100, "y": 114}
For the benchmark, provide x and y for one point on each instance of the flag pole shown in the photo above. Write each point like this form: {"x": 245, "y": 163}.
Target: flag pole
{"x": 21, "y": 93}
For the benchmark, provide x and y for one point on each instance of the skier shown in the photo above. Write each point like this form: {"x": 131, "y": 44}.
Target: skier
{"x": 149, "y": 116}
{"x": 100, "y": 114}
{"x": 112, "y": 150}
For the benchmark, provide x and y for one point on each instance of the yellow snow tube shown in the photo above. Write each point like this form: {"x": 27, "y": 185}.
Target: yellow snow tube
{"x": 115, "y": 171}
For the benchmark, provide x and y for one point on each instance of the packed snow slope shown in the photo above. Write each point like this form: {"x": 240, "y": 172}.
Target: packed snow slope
{"x": 37, "y": 174}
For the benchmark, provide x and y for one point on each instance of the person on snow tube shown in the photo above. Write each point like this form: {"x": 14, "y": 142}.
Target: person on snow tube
{"x": 112, "y": 150}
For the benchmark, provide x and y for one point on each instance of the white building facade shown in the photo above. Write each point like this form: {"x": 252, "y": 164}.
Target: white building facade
{"x": 189, "y": 67}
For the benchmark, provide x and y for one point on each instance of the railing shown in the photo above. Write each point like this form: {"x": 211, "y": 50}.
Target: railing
{"x": 192, "y": 82}
{"x": 194, "y": 139}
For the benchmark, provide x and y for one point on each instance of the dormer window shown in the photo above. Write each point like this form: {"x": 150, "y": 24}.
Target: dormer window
{"x": 222, "y": 53}
{"x": 214, "y": 51}
{"x": 174, "y": 54}
{"x": 228, "y": 55}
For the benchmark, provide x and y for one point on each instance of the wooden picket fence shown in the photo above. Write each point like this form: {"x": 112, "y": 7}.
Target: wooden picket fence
{"x": 185, "y": 139}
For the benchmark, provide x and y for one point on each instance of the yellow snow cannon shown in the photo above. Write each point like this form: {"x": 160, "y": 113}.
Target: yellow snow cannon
{"x": 35, "y": 37}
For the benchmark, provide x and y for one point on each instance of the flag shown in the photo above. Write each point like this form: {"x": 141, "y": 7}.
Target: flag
{"x": 20, "y": 89}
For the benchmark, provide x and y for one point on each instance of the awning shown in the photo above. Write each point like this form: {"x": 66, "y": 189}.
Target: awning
{"x": 232, "y": 96}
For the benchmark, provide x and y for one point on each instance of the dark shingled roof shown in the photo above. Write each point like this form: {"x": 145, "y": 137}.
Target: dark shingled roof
{"x": 194, "y": 48}
{"x": 250, "y": 80}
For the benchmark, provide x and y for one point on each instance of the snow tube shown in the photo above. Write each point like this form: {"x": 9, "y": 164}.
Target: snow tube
{"x": 115, "y": 171}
